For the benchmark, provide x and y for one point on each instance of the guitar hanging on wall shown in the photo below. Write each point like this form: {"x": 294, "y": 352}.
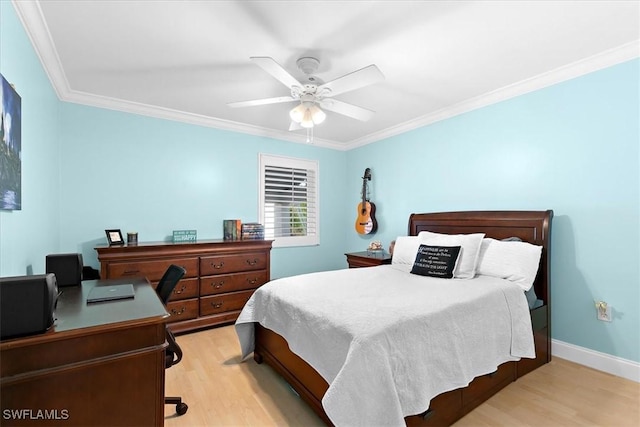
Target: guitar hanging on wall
{"x": 366, "y": 221}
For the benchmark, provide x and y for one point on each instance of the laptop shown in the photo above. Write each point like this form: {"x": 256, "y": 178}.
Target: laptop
{"x": 110, "y": 293}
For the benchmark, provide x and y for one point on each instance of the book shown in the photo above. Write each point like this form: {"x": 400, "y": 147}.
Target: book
{"x": 252, "y": 231}
{"x": 231, "y": 229}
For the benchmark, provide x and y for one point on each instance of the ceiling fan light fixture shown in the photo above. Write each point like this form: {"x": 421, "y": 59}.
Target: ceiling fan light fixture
{"x": 307, "y": 120}
{"x": 297, "y": 113}
{"x": 317, "y": 114}
{"x": 307, "y": 114}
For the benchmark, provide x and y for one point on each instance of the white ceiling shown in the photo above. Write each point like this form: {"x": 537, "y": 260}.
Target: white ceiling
{"x": 185, "y": 60}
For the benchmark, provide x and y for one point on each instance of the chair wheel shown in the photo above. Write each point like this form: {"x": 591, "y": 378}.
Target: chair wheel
{"x": 181, "y": 408}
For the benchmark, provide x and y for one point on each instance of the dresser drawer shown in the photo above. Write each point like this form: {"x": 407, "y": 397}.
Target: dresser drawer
{"x": 221, "y": 264}
{"x": 182, "y": 310}
{"x": 152, "y": 270}
{"x": 185, "y": 289}
{"x": 224, "y": 302}
{"x": 232, "y": 282}
{"x": 486, "y": 385}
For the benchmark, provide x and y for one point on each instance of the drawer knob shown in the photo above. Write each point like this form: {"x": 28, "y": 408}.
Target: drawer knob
{"x": 217, "y": 285}
{"x": 216, "y": 304}
{"x": 427, "y": 414}
{"x": 178, "y": 312}
{"x": 127, "y": 272}
{"x": 217, "y": 266}
{"x": 252, "y": 281}
{"x": 254, "y": 262}
{"x": 179, "y": 291}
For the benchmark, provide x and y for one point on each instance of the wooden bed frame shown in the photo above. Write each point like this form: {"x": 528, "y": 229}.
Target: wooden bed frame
{"x": 530, "y": 226}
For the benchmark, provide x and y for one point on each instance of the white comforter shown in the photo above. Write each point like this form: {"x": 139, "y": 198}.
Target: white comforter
{"x": 387, "y": 341}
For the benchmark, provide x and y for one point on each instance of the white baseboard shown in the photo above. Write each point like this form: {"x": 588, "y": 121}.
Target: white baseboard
{"x": 594, "y": 359}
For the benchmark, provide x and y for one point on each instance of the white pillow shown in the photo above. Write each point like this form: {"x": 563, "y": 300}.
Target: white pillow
{"x": 405, "y": 250}
{"x": 515, "y": 261}
{"x": 469, "y": 249}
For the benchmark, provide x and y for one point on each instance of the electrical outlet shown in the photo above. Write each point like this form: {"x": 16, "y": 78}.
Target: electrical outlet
{"x": 604, "y": 311}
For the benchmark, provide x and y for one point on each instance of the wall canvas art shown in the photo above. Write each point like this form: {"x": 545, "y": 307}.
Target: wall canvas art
{"x": 10, "y": 147}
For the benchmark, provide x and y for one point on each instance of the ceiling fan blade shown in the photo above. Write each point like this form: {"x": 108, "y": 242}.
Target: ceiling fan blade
{"x": 355, "y": 80}
{"x": 294, "y": 126}
{"x": 264, "y": 101}
{"x": 272, "y": 67}
{"x": 346, "y": 109}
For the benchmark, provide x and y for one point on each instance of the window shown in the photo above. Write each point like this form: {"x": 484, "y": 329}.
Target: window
{"x": 289, "y": 200}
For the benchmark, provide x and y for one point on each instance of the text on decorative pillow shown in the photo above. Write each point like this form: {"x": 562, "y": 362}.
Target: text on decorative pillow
{"x": 436, "y": 261}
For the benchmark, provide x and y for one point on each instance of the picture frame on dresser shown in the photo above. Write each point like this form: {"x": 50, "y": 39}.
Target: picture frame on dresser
{"x": 114, "y": 237}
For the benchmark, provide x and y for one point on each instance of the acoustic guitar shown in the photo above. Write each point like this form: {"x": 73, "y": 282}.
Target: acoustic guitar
{"x": 366, "y": 221}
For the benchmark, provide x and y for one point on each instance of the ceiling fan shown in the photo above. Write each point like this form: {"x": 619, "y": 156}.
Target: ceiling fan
{"x": 312, "y": 95}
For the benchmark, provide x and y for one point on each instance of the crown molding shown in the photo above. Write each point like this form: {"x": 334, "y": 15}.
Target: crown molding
{"x": 30, "y": 15}
{"x": 588, "y": 65}
{"x": 99, "y": 101}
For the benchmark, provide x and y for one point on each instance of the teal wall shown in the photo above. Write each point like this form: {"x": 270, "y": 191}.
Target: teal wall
{"x": 28, "y": 234}
{"x": 153, "y": 176}
{"x": 572, "y": 147}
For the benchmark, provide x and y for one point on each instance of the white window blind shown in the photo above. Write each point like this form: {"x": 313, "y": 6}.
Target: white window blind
{"x": 289, "y": 200}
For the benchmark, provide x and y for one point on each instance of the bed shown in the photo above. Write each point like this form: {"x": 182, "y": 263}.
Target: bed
{"x": 357, "y": 404}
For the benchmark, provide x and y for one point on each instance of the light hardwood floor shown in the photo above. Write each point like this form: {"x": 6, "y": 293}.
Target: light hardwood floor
{"x": 223, "y": 391}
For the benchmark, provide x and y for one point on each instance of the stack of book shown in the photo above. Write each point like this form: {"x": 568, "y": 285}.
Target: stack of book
{"x": 252, "y": 231}
{"x": 231, "y": 229}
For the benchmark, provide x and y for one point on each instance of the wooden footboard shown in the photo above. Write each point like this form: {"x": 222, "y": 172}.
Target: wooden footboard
{"x": 446, "y": 408}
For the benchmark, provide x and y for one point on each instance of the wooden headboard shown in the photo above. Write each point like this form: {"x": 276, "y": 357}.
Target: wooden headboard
{"x": 530, "y": 226}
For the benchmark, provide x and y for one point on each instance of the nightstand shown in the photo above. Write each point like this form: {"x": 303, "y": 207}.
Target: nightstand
{"x": 368, "y": 258}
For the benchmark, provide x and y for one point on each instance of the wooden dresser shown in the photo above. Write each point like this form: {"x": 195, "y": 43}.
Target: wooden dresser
{"x": 221, "y": 275}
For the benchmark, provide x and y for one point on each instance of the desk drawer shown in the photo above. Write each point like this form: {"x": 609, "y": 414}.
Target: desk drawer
{"x": 221, "y": 264}
{"x": 224, "y": 302}
{"x": 185, "y": 289}
{"x": 152, "y": 270}
{"x": 182, "y": 310}
{"x": 232, "y": 282}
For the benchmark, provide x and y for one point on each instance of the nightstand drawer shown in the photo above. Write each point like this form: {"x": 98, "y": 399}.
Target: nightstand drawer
{"x": 224, "y": 302}
{"x": 231, "y": 263}
{"x": 232, "y": 282}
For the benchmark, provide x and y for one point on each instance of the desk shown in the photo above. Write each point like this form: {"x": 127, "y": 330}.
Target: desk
{"x": 99, "y": 365}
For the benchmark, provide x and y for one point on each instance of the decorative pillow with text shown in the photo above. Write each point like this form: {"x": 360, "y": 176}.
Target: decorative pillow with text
{"x": 436, "y": 261}
{"x": 470, "y": 244}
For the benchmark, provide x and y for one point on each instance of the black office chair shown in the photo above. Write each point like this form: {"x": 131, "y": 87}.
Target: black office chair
{"x": 173, "y": 354}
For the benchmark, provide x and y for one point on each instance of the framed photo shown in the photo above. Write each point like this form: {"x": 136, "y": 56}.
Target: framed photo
{"x": 10, "y": 147}
{"x": 114, "y": 237}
